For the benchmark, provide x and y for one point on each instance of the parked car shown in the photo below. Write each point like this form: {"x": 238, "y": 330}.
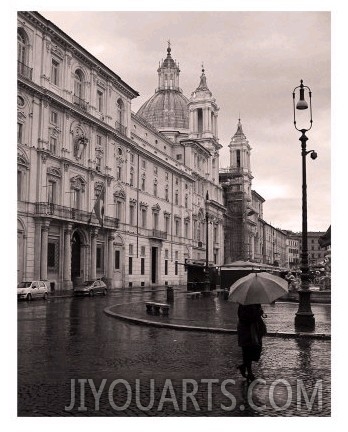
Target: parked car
{"x": 32, "y": 289}
{"x": 91, "y": 287}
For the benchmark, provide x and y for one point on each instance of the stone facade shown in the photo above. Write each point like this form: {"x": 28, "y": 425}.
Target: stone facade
{"x": 81, "y": 146}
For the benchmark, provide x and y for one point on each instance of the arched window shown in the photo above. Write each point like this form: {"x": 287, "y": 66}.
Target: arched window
{"x": 78, "y": 84}
{"x": 143, "y": 182}
{"x": 22, "y": 51}
{"x": 120, "y": 112}
{"x": 131, "y": 177}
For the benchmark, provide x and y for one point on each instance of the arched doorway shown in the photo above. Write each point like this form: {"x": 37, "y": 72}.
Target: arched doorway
{"x": 75, "y": 257}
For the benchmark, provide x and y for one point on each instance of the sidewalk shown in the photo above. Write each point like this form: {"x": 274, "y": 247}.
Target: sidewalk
{"x": 214, "y": 314}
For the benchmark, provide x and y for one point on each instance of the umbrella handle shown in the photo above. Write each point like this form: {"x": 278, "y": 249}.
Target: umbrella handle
{"x": 264, "y": 315}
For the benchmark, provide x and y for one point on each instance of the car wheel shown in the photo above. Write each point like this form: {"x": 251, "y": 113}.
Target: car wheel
{"x": 45, "y": 296}
{"x": 91, "y": 293}
{"x": 29, "y": 297}
{"x": 105, "y": 292}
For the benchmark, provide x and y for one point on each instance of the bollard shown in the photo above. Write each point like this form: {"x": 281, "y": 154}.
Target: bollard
{"x": 170, "y": 294}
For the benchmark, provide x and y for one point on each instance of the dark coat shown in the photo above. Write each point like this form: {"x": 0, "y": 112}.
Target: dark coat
{"x": 249, "y": 328}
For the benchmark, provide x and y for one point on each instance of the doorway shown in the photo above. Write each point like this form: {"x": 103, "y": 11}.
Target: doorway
{"x": 75, "y": 256}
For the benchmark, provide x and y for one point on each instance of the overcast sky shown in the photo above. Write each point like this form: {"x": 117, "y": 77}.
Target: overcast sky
{"x": 253, "y": 61}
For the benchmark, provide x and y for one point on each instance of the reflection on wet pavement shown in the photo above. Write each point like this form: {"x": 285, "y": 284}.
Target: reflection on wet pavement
{"x": 72, "y": 339}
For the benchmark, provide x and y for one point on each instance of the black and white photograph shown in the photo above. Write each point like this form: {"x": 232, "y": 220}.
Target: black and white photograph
{"x": 173, "y": 213}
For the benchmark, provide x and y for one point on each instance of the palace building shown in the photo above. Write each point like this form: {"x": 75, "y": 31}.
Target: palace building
{"x": 103, "y": 191}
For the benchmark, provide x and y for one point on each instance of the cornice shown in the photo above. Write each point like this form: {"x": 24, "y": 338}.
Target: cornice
{"x": 68, "y": 43}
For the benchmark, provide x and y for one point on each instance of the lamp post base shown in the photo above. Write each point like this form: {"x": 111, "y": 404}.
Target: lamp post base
{"x": 304, "y": 319}
{"x": 206, "y": 290}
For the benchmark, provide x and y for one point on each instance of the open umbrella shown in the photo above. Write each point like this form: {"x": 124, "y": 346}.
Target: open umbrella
{"x": 257, "y": 288}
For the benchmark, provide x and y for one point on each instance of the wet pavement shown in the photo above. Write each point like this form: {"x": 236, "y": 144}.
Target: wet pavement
{"x": 215, "y": 313}
{"x": 147, "y": 371}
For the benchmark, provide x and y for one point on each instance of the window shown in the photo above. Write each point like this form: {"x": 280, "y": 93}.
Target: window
{"x": 155, "y": 221}
{"x": 176, "y": 197}
{"x": 119, "y": 172}
{"x": 117, "y": 259}
{"x": 21, "y": 47}
{"x": 238, "y": 158}
{"x": 186, "y": 229}
{"x": 118, "y": 210}
{"x": 155, "y": 188}
{"x": 98, "y": 163}
{"x": 19, "y": 133}
{"x": 200, "y": 120}
{"x": 166, "y": 176}
{"x": 131, "y": 177}
{"x": 143, "y": 164}
{"x": 142, "y": 266}
{"x": 76, "y": 198}
{"x": 142, "y": 251}
{"x": 54, "y": 117}
{"x": 52, "y": 192}
{"x": 186, "y": 201}
{"x": 131, "y": 214}
{"x": 131, "y": 157}
{"x": 55, "y": 72}
{"x": 143, "y": 218}
{"x": 19, "y": 185}
{"x": 130, "y": 265}
{"x": 165, "y": 266}
{"x": 143, "y": 180}
{"x": 166, "y": 192}
{"x": 120, "y": 111}
{"x": 99, "y": 140}
{"x": 155, "y": 170}
{"x": 78, "y": 84}
{"x": 215, "y": 234}
{"x": 53, "y": 145}
{"x": 177, "y": 227}
{"x": 130, "y": 248}
{"x": 99, "y": 100}
{"x": 166, "y": 224}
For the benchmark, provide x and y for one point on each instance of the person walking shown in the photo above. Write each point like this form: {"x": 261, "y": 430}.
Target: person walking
{"x": 250, "y": 330}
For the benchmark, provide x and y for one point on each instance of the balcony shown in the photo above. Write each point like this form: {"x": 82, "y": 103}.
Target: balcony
{"x": 158, "y": 235}
{"x": 80, "y": 102}
{"x": 72, "y": 214}
{"x": 24, "y": 71}
{"x": 120, "y": 128}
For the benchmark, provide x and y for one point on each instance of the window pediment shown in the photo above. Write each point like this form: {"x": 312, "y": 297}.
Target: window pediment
{"x": 54, "y": 171}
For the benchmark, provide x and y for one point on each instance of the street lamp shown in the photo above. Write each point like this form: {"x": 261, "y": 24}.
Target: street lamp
{"x": 304, "y": 319}
{"x": 206, "y": 269}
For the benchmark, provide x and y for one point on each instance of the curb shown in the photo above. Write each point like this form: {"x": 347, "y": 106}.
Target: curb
{"x": 140, "y": 321}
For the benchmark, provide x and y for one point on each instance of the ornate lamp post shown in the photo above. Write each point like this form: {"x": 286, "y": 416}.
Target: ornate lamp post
{"x": 304, "y": 319}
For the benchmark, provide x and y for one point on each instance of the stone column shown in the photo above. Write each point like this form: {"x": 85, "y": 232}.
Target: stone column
{"x": 94, "y": 235}
{"x": 67, "y": 283}
{"x": 37, "y": 249}
{"x": 44, "y": 246}
{"x": 110, "y": 275}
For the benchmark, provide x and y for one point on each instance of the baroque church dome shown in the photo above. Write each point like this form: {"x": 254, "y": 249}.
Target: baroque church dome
{"x": 167, "y": 108}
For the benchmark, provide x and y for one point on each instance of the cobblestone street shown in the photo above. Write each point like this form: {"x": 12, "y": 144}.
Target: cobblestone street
{"x": 67, "y": 339}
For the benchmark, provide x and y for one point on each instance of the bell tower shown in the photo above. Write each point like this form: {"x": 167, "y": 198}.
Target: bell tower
{"x": 203, "y": 109}
{"x": 240, "y": 157}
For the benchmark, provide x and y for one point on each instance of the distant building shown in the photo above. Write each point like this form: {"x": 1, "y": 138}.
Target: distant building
{"x": 247, "y": 236}
{"x": 293, "y": 250}
{"x": 316, "y": 253}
